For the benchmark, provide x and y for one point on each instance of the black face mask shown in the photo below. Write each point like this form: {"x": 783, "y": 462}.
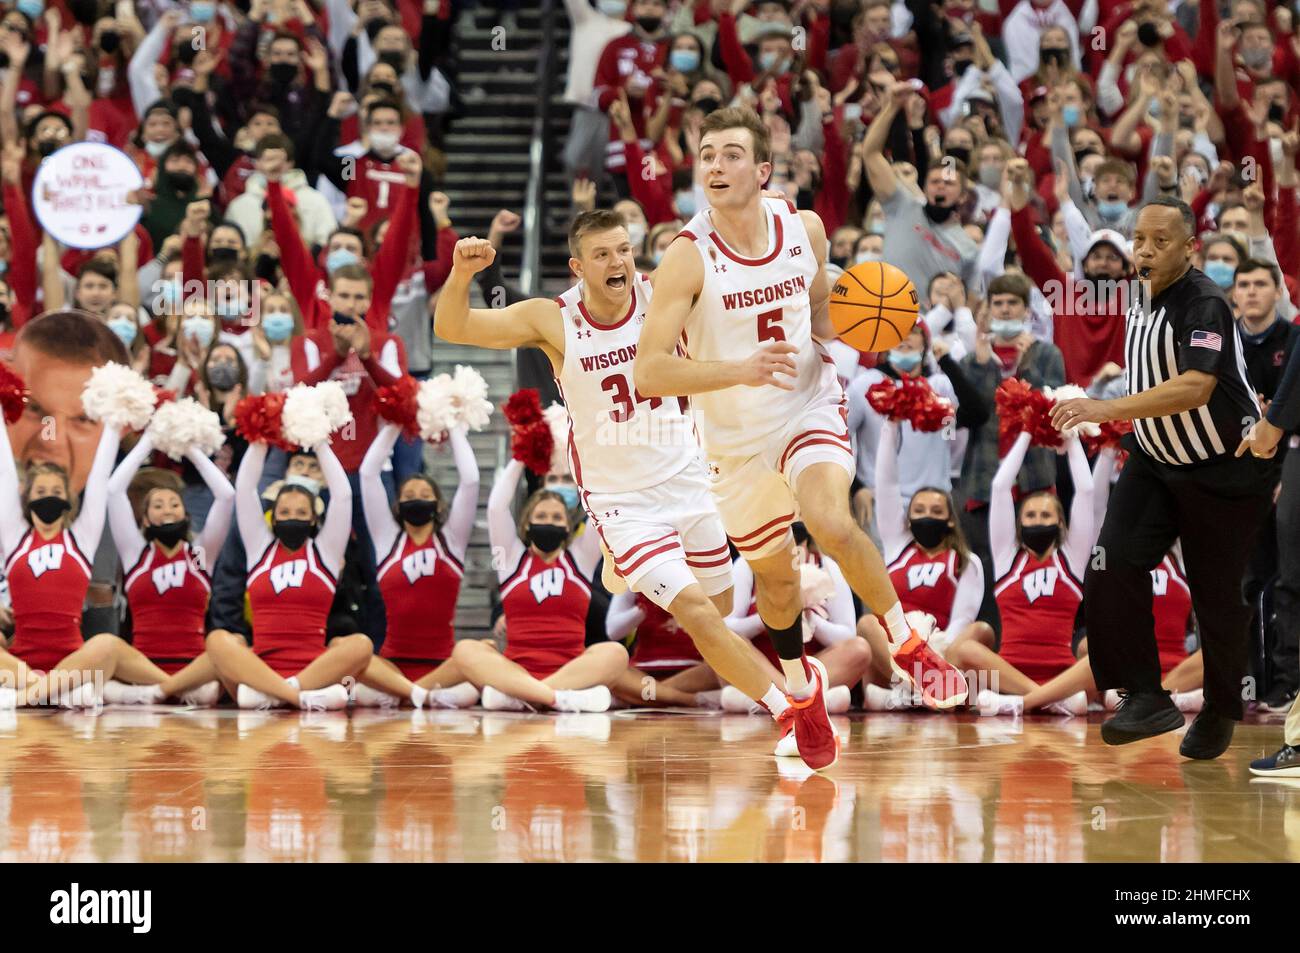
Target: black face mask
{"x": 707, "y": 104}
{"x": 938, "y": 213}
{"x": 417, "y": 512}
{"x": 84, "y": 11}
{"x": 169, "y": 534}
{"x": 649, "y": 24}
{"x": 182, "y": 181}
{"x": 394, "y": 59}
{"x": 282, "y": 74}
{"x": 4, "y": 314}
{"x": 841, "y": 261}
{"x": 374, "y": 26}
{"x": 1081, "y": 155}
{"x": 266, "y": 266}
{"x": 800, "y": 531}
{"x": 1148, "y": 35}
{"x": 48, "y": 509}
{"x": 928, "y": 531}
{"x": 957, "y": 152}
{"x": 293, "y": 533}
{"x": 47, "y": 147}
{"x": 1276, "y": 112}
{"x": 1053, "y": 55}
{"x": 383, "y": 88}
{"x": 4, "y": 60}
{"x": 547, "y": 536}
{"x": 222, "y": 254}
{"x": 185, "y": 53}
{"x": 959, "y": 67}
{"x": 110, "y": 41}
{"x": 1039, "y": 538}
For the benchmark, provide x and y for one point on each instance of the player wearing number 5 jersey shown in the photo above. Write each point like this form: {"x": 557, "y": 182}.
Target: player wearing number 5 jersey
{"x": 748, "y": 294}
{"x": 635, "y": 459}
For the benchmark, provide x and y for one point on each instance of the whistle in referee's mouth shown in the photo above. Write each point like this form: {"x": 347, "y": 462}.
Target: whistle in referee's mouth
{"x": 1144, "y": 273}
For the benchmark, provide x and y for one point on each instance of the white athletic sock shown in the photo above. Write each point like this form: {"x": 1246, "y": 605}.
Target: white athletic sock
{"x": 896, "y": 624}
{"x": 796, "y": 678}
{"x": 293, "y": 680}
{"x": 775, "y": 701}
{"x": 418, "y": 696}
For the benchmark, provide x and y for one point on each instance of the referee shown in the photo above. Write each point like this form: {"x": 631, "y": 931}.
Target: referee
{"x": 1191, "y": 404}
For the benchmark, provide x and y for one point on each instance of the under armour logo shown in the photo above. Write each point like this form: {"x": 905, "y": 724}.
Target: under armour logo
{"x": 609, "y": 513}
{"x": 714, "y": 471}
{"x": 722, "y": 267}
{"x": 584, "y": 334}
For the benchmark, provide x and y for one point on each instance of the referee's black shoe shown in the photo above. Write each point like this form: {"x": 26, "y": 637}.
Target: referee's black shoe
{"x": 1284, "y": 764}
{"x": 1208, "y": 737}
{"x": 1141, "y": 715}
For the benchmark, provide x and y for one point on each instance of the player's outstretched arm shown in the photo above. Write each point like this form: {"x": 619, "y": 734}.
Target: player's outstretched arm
{"x": 819, "y": 294}
{"x": 532, "y": 323}
{"x": 658, "y": 371}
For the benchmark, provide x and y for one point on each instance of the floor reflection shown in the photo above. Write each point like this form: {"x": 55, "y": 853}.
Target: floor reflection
{"x": 168, "y": 785}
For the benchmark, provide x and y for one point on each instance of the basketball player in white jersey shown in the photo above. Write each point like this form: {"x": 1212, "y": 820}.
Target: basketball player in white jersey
{"x": 635, "y": 459}
{"x": 749, "y": 272}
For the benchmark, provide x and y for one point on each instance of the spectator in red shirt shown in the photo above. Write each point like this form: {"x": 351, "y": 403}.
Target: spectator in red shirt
{"x": 629, "y": 63}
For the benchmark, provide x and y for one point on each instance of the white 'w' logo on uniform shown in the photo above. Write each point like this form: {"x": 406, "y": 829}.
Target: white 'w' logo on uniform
{"x": 1159, "y": 582}
{"x": 288, "y": 575}
{"x": 418, "y": 564}
{"x": 546, "y": 584}
{"x": 925, "y": 575}
{"x": 47, "y": 557}
{"x": 1040, "y": 582}
{"x": 169, "y": 576}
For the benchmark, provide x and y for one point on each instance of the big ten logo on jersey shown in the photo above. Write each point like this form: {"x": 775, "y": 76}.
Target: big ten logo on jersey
{"x": 796, "y": 251}
{"x": 548, "y": 583}
{"x": 45, "y": 558}
{"x": 168, "y": 576}
{"x": 1159, "y": 582}
{"x": 1039, "y": 583}
{"x": 419, "y": 564}
{"x": 288, "y": 575}
{"x": 924, "y": 575}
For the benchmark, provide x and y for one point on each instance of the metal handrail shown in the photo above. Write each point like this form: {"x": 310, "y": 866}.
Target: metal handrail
{"x": 530, "y": 274}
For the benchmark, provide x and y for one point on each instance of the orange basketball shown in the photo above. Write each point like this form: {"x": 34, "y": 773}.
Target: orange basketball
{"x": 873, "y": 306}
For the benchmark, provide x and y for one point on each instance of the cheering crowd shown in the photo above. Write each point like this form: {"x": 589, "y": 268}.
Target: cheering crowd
{"x": 292, "y": 232}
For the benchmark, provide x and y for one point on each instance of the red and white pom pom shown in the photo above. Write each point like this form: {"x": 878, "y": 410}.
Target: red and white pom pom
{"x": 435, "y": 407}
{"x": 178, "y": 425}
{"x": 311, "y": 414}
{"x": 1086, "y": 429}
{"x": 13, "y": 394}
{"x": 469, "y": 397}
{"x": 119, "y": 397}
{"x": 557, "y": 418}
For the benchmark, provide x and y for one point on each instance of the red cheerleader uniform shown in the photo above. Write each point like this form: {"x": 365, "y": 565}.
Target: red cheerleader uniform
{"x": 662, "y": 647}
{"x": 168, "y": 596}
{"x": 546, "y": 613}
{"x": 290, "y": 594}
{"x": 1172, "y": 605}
{"x": 926, "y": 583}
{"x": 48, "y": 580}
{"x": 1038, "y": 600}
{"x": 419, "y": 584}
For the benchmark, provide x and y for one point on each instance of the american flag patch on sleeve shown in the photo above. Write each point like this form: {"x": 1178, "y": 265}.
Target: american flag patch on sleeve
{"x": 1206, "y": 339}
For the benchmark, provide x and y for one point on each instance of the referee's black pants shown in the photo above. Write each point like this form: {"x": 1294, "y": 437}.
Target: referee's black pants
{"x": 1215, "y": 509}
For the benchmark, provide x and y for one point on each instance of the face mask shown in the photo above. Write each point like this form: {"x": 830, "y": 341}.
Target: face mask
{"x": 4, "y": 314}
{"x": 198, "y": 328}
{"x": 185, "y": 53}
{"x": 1257, "y": 59}
{"x": 959, "y": 67}
{"x": 991, "y": 177}
{"x": 547, "y": 537}
{"x": 928, "y": 531}
{"x": 201, "y": 12}
{"x": 960, "y": 153}
{"x": 156, "y": 149}
{"x": 1007, "y": 329}
{"x": 417, "y": 512}
{"x": 1071, "y": 114}
{"x": 612, "y": 8}
{"x": 124, "y": 328}
{"x": 48, "y": 147}
{"x": 1220, "y": 272}
{"x": 181, "y": 181}
{"x": 1039, "y": 538}
{"x": 282, "y": 74}
{"x": 169, "y": 534}
{"x": 649, "y": 24}
{"x": 292, "y": 533}
{"x": 938, "y": 213}
{"x": 905, "y": 360}
{"x": 567, "y": 493}
{"x": 394, "y": 58}
{"x": 48, "y": 509}
{"x": 384, "y": 88}
{"x": 266, "y": 267}
{"x": 657, "y": 257}
{"x": 769, "y": 61}
{"x": 31, "y": 8}
{"x": 84, "y": 11}
{"x": 1154, "y": 109}
{"x": 222, "y": 255}
{"x": 1276, "y": 112}
{"x": 1111, "y": 210}
{"x": 1275, "y": 150}
{"x": 636, "y": 234}
{"x": 707, "y": 104}
{"x": 1148, "y": 35}
{"x": 223, "y": 375}
{"x": 1052, "y": 55}
{"x": 685, "y": 202}
{"x": 340, "y": 257}
{"x": 868, "y": 256}
{"x": 278, "y": 326}
{"x": 384, "y": 143}
{"x": 800, "y": 531}
{"x": 312, "y": 486}
{"x": 374, "y": 26}
{"x": 109, "y": 41}
{"x": 684, "y": 61}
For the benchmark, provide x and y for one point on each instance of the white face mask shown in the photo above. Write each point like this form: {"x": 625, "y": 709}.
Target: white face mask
{"x": 156, "y": 149}
{"x": 385, "y": 143}
{"x": 636, "y": 234}
{"x": 868, "y": 256}
{"x": 1275, "y": 151}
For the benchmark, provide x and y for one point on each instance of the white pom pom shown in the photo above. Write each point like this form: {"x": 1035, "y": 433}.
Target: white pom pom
{"x": 119, "y": 397}
{"x": 557, "y": 417}
{"x": 435, "y": 407}
{"x": 311, "y": 414}
{"x": 335, "y": 404}
{"x": 815, "y": 585}
{"x": 180, "y": 424}
{"x": 469, "y": 394}
{"x": 1071, "y": 392}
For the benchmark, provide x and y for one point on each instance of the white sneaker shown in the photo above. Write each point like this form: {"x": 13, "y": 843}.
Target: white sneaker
{"x": 786, "y": 746}
{"x": 250, "y": 699}
{"x": 837, "y": 699}
{"x": 120, "y": 693}
{"x": 8, "y": 699}
{"x": 460, "y": 695}
{"x": 1073, "y": 707}
{"x": 1112, "y": 699}
{"x": 363, "y": 696}
{"x": 991, "y": 703}
{"x": 330, "y": 698}
{"x": 594, "y": 699}
{"x": 1191, "y": 702}
{"x": 83, "y": 696}
{"x": 709, "y": 700}
{"x": 896, "y": 698}
{"x": 737, "y": 702}
{"x": 205, "y": 696}
{"x": 494, "y": 700}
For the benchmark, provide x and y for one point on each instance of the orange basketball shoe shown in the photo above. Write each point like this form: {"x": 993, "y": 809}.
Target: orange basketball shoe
{"x": 938, "y": 682}
{"x": 814, "y": 734}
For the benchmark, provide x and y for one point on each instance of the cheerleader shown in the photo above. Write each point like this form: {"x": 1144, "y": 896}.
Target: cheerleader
{"x": 292, "y": 571}
{"x": 932, "y": 569}
{"x": 48, "y": 547}
{"x": 420, "y": 549}
{"x": 543, "y": 571}
{"x": 167, "y": 585}
{"x": 666, "y": 667}
{"x": 1039, "y": 568}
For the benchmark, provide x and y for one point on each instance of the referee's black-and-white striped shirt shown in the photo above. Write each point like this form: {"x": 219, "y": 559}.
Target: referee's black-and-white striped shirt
{"x": 1189, "y": 326}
